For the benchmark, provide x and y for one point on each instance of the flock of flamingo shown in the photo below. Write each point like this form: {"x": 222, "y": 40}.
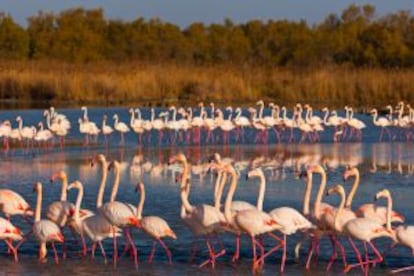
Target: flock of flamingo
{"x": 188, "y": 128}
{"x": 209, "y": 221}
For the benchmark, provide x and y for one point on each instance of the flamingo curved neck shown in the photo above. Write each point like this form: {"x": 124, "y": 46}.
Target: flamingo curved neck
{"x": 64, "y": 191}
{"x": 230, "y": 194}
{"x": 389, "y": 210}
{"x": 140, "y": 205}
{"x": 339, "y": 210}
{"x": 152, "y": 114}
{"x": 217, "y": 188}
{"x": 307, "y": 195}
{"x": 184, "y": 195}
{"x": 78, "y": 203}
{"x": 115, "y": 186}
{"x": 325, "y": 117}
{"x": 132, "y": 121}
{"x": 317, "y": 206}
{"x": 138, "y": 111}
{"x": 353, "y": 190}
{"x": 38, "y": 203}
{"x": 262, "y": 191}
{"x": 99, "y": 197}
{"x": 217, "y": 203}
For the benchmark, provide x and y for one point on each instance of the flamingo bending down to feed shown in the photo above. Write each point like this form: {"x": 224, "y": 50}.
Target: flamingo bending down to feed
{"x": 9, "y": 233}
{"x": 155, "y": 227}
{"x": 45, "y": 230}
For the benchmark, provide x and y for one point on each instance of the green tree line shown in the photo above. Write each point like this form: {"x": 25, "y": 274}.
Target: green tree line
{"x": 356, "y": 37}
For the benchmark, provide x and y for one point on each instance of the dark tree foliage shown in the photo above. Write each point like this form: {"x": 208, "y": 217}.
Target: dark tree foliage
{"x": 356, "y": 37}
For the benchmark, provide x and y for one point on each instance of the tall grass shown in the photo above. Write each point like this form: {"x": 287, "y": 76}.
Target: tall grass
{"x": 125, "y": 84}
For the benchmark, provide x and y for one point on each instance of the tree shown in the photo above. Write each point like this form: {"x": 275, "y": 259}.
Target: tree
{"x": 13, "y": 39}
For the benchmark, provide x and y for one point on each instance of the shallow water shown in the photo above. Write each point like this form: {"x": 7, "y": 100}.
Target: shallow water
{"x": 382, "y": 165}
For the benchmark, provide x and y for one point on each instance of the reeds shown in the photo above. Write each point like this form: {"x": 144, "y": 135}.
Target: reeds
{"x": 124, "y": 84}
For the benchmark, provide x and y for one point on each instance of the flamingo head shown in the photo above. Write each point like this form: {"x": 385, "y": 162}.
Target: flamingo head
{"x": 115, "y": 117}
{"x": 114, "y": 165}
{"x": 316, "y": 169}
{"x": 83, "y": 107}
{"x": 131, "y": 110}
{"x": 261, "y": 102}
{"x": 200, "y": 104}
{"x": 75, "y": 184}
{"x": 105, "y": 117}
{"x": 178, "y": 158}
{"x": 373, "y": 111}
{"x": 350, "y": 171}
{"x": 258, "y": 172}
{"x": 58, "y": 175}
{"x": 140, "y": 187}
{"x": 251, "y": 110}
{"x": 383, "y": 193}
{"x": 18, "y": 119}
{"x": 337, "y": 189}
{"x": 325, "y": 109}
{"x": 46, "y": 113}
{"x": 229, "y": 108}
{"x": 37, "y": 187}
{"x": 98, "y": 158}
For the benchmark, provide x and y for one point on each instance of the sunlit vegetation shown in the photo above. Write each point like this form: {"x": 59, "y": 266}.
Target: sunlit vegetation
{"x": 80, "y": 56}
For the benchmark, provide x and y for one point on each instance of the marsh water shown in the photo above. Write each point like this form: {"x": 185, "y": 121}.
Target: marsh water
{"x": 387, "y": 164}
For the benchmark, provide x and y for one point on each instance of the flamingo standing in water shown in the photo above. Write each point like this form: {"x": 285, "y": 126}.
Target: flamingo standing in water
{"x": 252, "y": 221}
{"x": 94, "y": 226}
{"x": 9, "y": 233}
{"x": 382, "y": 122}
{"x": 155, "y": 227}
{"x": 121, "y": 127}
{"x": 120, "y": 215}
{"x": 288, "y": 218}
{"x": 106, "y": 129}
{"x": 11, "y": 203}
{"x": 368, "y": 210}
{"x": 365, "y": 230}
{"x": 45, "y": 230}
{"x": 206, "y": 219}
{"x": 403, "y": 234}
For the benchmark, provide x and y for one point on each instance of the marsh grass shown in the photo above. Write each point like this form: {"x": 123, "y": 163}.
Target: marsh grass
{"x": 123, "y": 84}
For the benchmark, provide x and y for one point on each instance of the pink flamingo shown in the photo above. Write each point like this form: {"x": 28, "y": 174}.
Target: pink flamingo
{"x": 120, "y": 215}
{"x": 155, "y": 227}
{"x": 365, "y": 230}
{"x": 206, "y": 218}
{"x": 45, "y": 230}
{"x": 96, "y": 227}
{"x": 368, "y": 210}
{"x": 252, "y": 221}
{"x": 11, "y": 203}
{"x": 9, "y": 233}
{"x": 403, "y": 234}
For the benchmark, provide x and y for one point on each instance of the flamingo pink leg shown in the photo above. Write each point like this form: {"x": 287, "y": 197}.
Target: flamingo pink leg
{"x": 14, "y": 250}
{"x": 102, "y": 251}
{"x": 154, "y": 243}
{"x": 167, "y": 251}
{"x": 55, "y": 252}
{"x": 237, "y": 253}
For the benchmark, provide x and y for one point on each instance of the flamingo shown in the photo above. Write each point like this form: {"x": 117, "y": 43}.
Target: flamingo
{"x": 403, "y": 234}
{"x": 26, "y": 133}
{"x": 241, "y": 122}
{"x": 136, "y": 123}
{"x": 207, "y": 218}
{"x": 94, "y": 226}
{"x": 120, "y": 214}
{"x": 382, "y": 122}
{"x": 9, "y": 233}
{"x": 155, "y": 227}
{"x": 368, "y": 210}
{"x": 43, "y": 134}
{"x": 106, "y": 129}
{"x": 226, "y": 126}
{"x": 355, "y": 124}
{"x": 5, "y": 129}
{"x": 252, "y": 221}
{"x": 365, "y": 230}
{"x": 60, "y": 211}
{"x": 11, "y": 203}
{"x": 45, "y": 230}
{"x": 121, "y": 127}
{"x": 288, "y": 218}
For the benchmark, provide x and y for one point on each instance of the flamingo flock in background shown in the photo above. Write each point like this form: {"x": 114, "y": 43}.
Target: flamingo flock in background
{"x": 210, "y": 221}
{"x": 222, "y": 126}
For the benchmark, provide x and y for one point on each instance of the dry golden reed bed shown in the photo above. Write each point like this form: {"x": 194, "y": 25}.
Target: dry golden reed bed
{"x": 124, "y": 84}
